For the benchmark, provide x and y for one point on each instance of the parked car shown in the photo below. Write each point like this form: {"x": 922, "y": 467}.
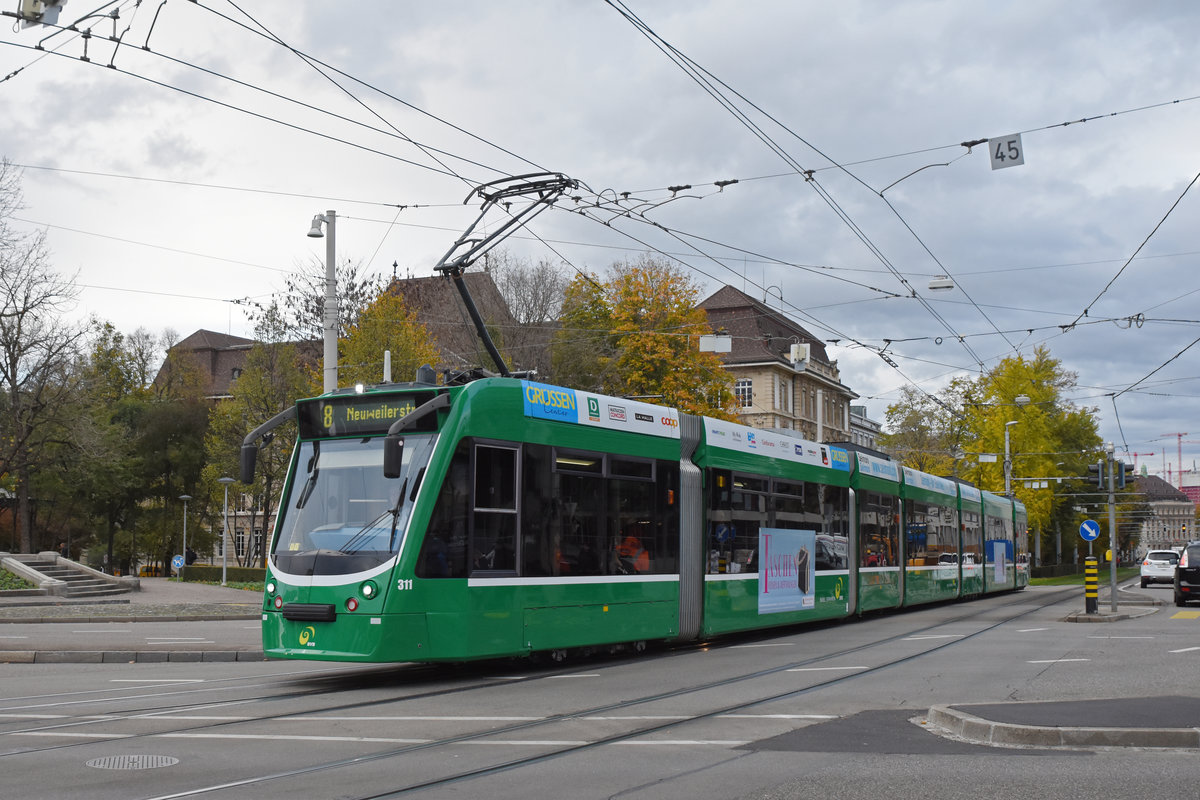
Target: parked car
{"x": 1158, "y": 566}
{"x": 1187, "y": 574}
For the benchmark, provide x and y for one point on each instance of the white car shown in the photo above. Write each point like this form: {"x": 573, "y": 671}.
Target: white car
{"x": 1158, "y": 566}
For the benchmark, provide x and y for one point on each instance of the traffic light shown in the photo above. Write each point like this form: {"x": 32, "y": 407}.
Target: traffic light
{"x": 1123, "y": 471}
{"x": 1097, "y": 469}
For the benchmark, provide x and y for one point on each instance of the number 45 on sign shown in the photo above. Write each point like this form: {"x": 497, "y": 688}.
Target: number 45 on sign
{"x": 1006, "y": 151}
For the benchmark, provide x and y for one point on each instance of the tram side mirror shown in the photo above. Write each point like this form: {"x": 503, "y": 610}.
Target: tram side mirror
{"x": 393, "y": 455}
{"x": 249, "y": 456}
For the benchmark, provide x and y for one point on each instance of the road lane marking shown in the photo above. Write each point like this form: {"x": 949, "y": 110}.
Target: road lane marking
{"x": 1058, "y": 660}
{"x": 1120, "y": 637}
{"x": 1184, "y": 650}
{"x": 824, "y": 669}
{"x": 934, "y": 636}
{"x": 1032, "y": 630}
{"x": 1186, "y": 615}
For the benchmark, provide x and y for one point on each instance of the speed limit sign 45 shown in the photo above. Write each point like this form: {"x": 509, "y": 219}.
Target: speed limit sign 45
{"x": 1006, "y": 151}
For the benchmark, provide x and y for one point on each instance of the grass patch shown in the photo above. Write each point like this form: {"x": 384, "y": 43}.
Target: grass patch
{"x": 1123, "y": 574}
{"x": 9, "y": 581}
{"x": 249, "y": 586}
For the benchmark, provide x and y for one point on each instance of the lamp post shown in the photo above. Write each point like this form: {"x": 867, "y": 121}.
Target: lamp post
{"x": 184, "y": 498}
{"x": 330, "y": 307}
{"x": 225, "y": 529}
{"x": 1020, "y": 401}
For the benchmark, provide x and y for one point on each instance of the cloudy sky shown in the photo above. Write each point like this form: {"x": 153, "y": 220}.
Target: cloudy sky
{"x": 176, "y": 175}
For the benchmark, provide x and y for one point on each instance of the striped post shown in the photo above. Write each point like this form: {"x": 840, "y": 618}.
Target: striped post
{"x": 1091, "y": 584}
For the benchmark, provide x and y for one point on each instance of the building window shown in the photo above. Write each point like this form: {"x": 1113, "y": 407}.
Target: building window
{"x": 239, "y": 543}
{"x": 235, "y": 373}
{"x": 783, "y": 394}
{"x": 743, "y": 390}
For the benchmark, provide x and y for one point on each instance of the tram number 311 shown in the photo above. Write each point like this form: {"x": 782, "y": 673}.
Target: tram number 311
{"x": 404, "y": 584}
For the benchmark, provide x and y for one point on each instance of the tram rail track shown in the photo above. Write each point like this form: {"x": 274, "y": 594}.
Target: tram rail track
{"x": 335, "y": 682}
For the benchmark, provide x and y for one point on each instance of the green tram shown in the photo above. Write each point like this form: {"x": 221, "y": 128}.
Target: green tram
{"x": 505, "y": 517}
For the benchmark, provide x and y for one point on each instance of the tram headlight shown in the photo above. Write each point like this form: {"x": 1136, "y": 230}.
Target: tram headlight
{"x": 271, "y": 588}
{"x": 368, "y": 589}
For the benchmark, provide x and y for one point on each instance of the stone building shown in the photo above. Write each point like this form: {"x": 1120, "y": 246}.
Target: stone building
{"x": 1172, "y": 515}
{"x": 783, "y": 377}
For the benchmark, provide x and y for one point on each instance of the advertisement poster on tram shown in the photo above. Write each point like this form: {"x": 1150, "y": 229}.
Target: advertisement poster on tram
{"x": 787, "y": 570}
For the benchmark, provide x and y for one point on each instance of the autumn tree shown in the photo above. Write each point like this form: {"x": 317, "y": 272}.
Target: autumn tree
{"x": 637, "y": 335}
{"x": 1051, "y": 435}
{"x": 386, "y": 324}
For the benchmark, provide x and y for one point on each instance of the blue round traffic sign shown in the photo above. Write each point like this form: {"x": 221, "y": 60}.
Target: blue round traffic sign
{"x": 177, "y": 562}
{"x": 1089, "y": 529}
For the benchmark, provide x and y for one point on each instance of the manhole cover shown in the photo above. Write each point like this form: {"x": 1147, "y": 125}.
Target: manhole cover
{"x": 133, "y": 762}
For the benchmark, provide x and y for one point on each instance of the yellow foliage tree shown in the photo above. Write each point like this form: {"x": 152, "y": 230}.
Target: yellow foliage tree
{"x": 385, "y": 324}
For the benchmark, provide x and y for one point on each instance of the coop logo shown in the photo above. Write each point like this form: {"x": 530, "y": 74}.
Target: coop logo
{"x": 551, "y": 402}
{"x": 669, "y": 422}
{"x": 307, "y": 635}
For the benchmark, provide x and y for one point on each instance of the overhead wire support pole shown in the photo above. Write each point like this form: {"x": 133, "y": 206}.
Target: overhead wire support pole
{"x": 541, "y": 190}
{"x": 1112, "y": 529}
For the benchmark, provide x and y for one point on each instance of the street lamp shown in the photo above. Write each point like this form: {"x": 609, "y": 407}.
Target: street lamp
{"x": 225, "y": 531}
{"x": 184, "y": 498}
{"x": 1021, "y": 401}
{"x": 330, "y": 308}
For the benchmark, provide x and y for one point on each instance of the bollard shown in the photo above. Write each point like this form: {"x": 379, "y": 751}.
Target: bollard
{"x": 1091, "y": 584}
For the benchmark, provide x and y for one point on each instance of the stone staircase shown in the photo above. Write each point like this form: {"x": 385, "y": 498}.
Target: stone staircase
{"x": 68, "y": 579}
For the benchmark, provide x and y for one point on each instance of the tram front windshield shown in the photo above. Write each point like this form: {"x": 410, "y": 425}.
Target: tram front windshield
{"x": 342, "y": 515}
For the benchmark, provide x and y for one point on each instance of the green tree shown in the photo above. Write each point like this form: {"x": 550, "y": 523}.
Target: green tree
{"x": 38, "y": 353}
{"x": 271, "y": 381}
{"x": 637, "y": 335}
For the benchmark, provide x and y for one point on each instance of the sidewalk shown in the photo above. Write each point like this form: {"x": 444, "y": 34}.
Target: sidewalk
{"x": 29, "y": 635}
{"x": 161, "y": 599}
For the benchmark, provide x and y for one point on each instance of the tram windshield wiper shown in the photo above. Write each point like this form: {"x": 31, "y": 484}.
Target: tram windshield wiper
{"x": 352, "y": 544}
{"x": 311, "y": 483}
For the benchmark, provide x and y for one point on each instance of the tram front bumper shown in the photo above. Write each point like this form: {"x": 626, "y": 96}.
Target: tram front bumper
{"x": 347, "y": 637}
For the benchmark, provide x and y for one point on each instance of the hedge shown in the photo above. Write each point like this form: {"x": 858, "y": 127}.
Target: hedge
{"x": 203, "y": 573}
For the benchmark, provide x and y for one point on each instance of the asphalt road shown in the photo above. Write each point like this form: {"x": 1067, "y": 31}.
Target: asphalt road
{"x": 835, "y": 710}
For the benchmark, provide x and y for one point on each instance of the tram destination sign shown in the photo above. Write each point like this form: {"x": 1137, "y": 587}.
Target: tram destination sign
{"x": 351, "y": 415}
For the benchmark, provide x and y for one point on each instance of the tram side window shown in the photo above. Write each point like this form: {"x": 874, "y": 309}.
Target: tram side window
{"x": 930, "y": 534}
{"x": 972, "y": 539}
{"x": 737, "y": 510}
{"x": 879, "y": 530}
{"x": 444, "y": 551}
{"x": 741, "y": 505}
{"x": 494, "y": 535}
{"x": 588, "y": 513}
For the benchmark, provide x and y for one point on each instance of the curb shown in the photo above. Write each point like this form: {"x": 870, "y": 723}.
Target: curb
{"x": 1108, "y": 616}
{"x": 125, "y": 656}
{"x": 115, "y": 618}
{"x": 951, "y": 722}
